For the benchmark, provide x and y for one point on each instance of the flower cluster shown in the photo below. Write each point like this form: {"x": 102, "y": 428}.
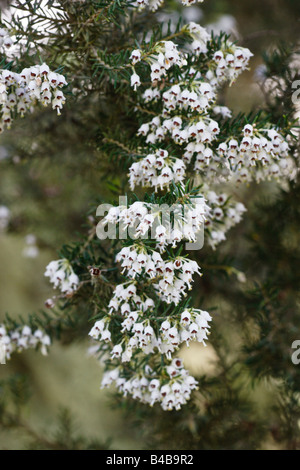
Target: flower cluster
{"x": 126, "y": 299}
{"x": 256, "y": 155}
{"x": 223, "y": 215}
{"x": 259, "y": 154}
{"x": 19, "y": 92}
{"x": 192, "y": 99}
{"x": 192, "y": 325}
{"x": 142, "y": 330}
{"x": 200, "y": 37}
{"x": 163, "y": 223}
{"x": 21, "y": 338}
{"x": 172, "y": 388}
{"x": 228, "y": 63}
{"x": 196, "y": 133}
{"x": 140, "y": 333}
{"x": 225, "y": 65}
{"x": 164, "y": 55}
{"x": 172, "y": 276}
{"x": 186, "y": 118}
{"x": 157, "y": 169}
{"x": 62, "y": 276}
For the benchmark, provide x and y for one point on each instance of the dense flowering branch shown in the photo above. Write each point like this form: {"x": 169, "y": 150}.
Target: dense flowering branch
{"x": 183, "y": 155}
{"x": 191, "y": 117}
{"x": 137, "y": 329}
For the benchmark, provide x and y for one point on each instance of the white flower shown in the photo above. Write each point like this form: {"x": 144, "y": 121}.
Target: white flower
{"x": 135, "y": 81}
{"x": 135, "y": 56}
{"x": 116, "y": 351}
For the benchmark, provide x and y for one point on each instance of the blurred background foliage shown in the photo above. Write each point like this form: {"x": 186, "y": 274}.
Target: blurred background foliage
{"x": 54, "y": 172}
